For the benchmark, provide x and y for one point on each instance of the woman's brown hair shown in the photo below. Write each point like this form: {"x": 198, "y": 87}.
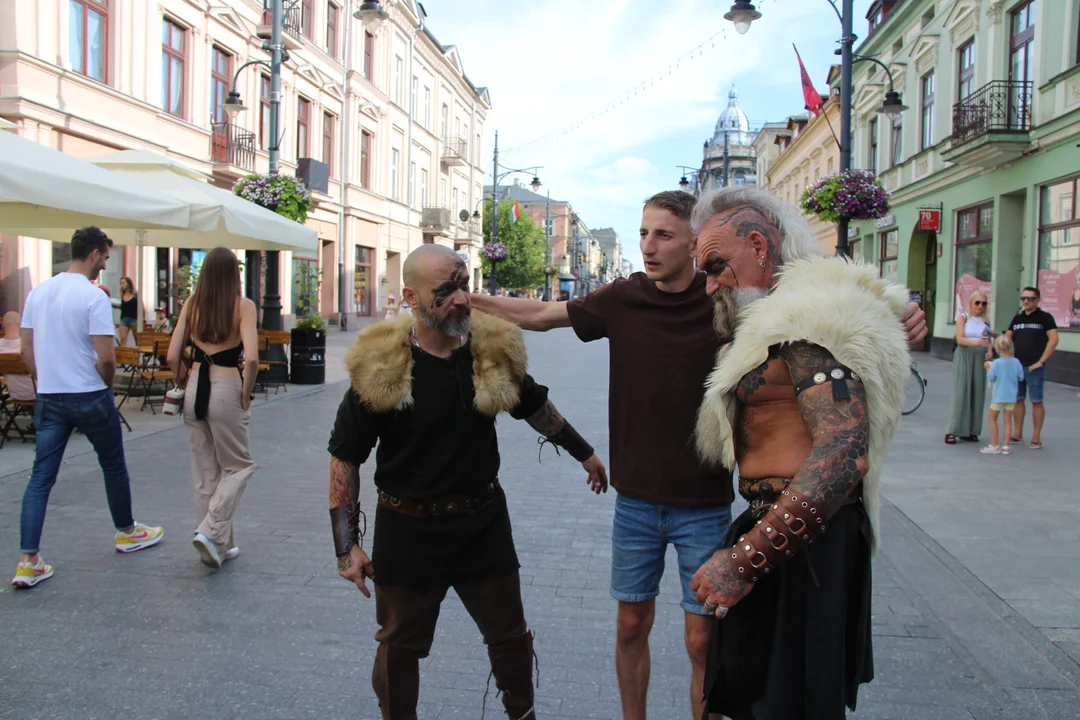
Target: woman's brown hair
{"x": 212, "y": 307}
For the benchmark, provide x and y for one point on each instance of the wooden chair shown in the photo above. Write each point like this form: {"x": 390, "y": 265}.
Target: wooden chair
{"x": 128, "y": 360}
{"x": 12, "y": 409}
{"x": 284, "y": 339}
{"x": 264, "y": 366}
{"x": 151, "y": 371}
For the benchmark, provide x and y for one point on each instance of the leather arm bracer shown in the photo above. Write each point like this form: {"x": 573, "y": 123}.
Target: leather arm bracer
{"x": 346, "y": 529}
{"x": 791, "y": 523}
{"x": 570, "y": 440}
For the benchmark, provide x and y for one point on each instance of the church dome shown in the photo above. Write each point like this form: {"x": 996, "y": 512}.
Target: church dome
{"x": 733, "y": 122}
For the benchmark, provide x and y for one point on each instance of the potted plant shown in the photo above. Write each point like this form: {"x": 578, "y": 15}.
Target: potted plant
{"x": 285, "y": 195}
{"x": 308, "y": 338}
{"x": 855, "y": 195}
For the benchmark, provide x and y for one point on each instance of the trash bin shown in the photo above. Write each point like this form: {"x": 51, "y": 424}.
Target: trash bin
{"x": 308, "y": 356}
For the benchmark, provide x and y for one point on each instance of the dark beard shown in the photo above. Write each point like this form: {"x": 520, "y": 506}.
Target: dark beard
{"x": 445, "y": 325}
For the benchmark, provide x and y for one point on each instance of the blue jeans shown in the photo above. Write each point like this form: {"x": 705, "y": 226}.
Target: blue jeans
{"x": 639, "y": 540}
{"x": 55, "y": 416}
{"x": 1033, "y": 384}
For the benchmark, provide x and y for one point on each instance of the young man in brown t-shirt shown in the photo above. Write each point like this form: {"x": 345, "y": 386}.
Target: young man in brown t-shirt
{"x": 662, "y": 346}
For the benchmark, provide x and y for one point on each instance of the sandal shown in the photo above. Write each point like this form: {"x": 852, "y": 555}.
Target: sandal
{"x": 1018, "y": 440}
{"x": 950, "y": 439}
{"x": 1035, "y": 445}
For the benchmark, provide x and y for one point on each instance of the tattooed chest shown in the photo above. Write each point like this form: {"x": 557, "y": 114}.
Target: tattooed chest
{"x": 767, "y": 383}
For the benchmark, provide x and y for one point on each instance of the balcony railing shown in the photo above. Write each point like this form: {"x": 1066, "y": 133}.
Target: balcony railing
{"x": 1003, "y": 106}
{"x": 290, "y": 21}
{"x": 455, "y": 150}
{"x": 232, "y": 145}
{"x": 436, "y": 218}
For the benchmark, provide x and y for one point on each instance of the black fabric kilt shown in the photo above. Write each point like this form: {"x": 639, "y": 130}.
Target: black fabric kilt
{"x": 796, "y": 648}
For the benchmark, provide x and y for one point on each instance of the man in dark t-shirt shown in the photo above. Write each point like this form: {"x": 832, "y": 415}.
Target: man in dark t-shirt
{"x": 662, "y": 346}
{"x": 1035, "y": 336}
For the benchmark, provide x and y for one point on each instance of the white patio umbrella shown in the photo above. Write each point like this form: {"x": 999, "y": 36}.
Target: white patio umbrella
{"x": 45, "y": 193}
{"x": 218, "y": 217}
{"x": 7, "y": 125}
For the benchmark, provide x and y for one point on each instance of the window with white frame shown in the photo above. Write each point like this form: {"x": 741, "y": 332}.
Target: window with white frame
{"x": 395, "y": 177}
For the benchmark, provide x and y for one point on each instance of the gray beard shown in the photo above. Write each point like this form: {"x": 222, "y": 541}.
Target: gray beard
{"x": 728, "y": 306}
{"x": 445, "y": 326}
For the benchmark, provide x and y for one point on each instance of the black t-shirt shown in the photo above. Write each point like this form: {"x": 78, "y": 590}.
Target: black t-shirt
{"x": 441, "y": 445}
{"x": 662, "y": 347}
{"x": 1029, "y": 335}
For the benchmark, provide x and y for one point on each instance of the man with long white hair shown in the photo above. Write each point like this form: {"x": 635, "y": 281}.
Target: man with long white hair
{"x": 805, "y": 400}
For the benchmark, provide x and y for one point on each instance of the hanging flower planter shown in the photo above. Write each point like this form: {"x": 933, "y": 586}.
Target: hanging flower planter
{"x": 855, "y": 195}
{"x": 285, "y": 195}
{"x": 494, "y": 252}
{"x": 551, "y": 270}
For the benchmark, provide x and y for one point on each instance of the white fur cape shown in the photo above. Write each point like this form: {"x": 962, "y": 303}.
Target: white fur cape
{"x": 843, "y": 307}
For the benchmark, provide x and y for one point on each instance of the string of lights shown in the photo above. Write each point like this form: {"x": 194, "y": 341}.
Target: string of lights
{"x": 640, "y": 88}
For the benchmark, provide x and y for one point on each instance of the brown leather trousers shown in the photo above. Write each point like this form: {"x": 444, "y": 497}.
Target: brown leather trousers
{"x": 407, "y": 620}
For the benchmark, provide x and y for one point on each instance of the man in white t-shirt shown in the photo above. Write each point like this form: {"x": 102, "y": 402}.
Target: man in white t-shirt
{"x": 21, "y": 387}
{"x": 68, "y": 344}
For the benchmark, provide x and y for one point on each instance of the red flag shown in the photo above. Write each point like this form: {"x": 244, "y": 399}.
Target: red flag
{"x": 810, "y": 95}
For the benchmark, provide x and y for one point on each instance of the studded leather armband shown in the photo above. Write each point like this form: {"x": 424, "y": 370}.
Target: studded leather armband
{"x": 569, "y": 439}
{"x": 792, "y": 523}
{"x": 346, "y": 529}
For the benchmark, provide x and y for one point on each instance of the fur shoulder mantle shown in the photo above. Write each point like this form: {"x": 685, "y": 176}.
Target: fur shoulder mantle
{"x": 845, "y": 308}
{"x": 380, "y": 364}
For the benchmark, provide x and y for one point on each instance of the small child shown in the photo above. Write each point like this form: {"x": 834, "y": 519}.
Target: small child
{"x": 1004, "y": 374}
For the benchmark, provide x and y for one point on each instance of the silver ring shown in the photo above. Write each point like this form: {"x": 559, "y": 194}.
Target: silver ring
{"x": 710, "y": 606}
{"x": 722, "y": 612}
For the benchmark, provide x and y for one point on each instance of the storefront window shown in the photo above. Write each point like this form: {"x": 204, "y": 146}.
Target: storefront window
{"x": 362, "y": 281}
{"x": 305, "y": 286}
{"x": 890, "y": 249}
{"x": 1059, "y": 253}
{"x": 855, "y": 249}
{"x": 974, "y": 254}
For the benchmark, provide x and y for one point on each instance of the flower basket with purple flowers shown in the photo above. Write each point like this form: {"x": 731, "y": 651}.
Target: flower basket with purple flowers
{"x": 855, "y": 195}
{"x": 285, "y": 195}
{"x": 494, "y": 252}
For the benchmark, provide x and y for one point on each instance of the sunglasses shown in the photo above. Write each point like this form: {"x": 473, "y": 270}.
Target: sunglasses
{"x": 980, "y": 303}
{"x": 1028, "y": 298}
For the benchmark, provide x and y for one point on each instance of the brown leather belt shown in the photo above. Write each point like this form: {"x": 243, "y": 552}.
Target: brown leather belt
{"x": 449, "y": 506}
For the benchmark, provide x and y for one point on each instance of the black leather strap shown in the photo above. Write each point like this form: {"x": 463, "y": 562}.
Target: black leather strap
{"x": 569, "y": 439}
{"x": 346, "y": 529}
{"x": 838, "y": 377}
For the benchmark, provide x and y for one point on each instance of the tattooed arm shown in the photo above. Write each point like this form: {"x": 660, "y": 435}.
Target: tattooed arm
{"x": 840, "y": 430}
{"x": 553, "y": 426}
{"x": 832, "y": 470}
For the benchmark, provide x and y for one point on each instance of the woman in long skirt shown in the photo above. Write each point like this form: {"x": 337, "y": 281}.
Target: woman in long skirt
{"x": 969, "y": 376}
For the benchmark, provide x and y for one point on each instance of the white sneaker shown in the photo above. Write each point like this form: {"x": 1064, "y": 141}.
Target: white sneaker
{"x": 208, "y": 551}
{"x": 231, "y": 553}
{"x": 990, "y": 450}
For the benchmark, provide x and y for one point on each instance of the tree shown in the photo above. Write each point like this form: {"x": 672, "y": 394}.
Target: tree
{"x": 525, "y": 248}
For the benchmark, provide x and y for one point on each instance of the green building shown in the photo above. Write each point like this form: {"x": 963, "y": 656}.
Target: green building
{"x": 983, "y": 167}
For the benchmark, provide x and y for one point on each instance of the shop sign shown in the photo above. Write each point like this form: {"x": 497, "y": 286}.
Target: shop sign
{"x": 884, "y": 222}
{"x": 930, "y": 220}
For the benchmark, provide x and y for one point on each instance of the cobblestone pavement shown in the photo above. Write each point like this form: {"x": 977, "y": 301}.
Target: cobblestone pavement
{"x": 976, "y": 606}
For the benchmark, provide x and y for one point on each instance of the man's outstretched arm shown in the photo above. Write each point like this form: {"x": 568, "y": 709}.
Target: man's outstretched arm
{"x": 526, "y": 314}
{"x": 556, "y": 430}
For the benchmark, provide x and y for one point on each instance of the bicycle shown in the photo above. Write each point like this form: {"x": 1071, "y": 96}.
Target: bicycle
{"x": 914, "y": 391}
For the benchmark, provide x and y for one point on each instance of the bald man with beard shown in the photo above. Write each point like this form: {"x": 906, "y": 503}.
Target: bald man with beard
{"x": 804, "y": 400}
{"x": 427, "y": 388}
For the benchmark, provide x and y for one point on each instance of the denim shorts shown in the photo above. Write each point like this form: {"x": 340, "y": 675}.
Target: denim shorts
{"x": 639, "y": 540}
{"x": 1033, "y": 382}
{"x": 129, "y": 322}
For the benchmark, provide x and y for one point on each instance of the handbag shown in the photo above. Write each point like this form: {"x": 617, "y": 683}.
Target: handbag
{"x": 174, "y": 398}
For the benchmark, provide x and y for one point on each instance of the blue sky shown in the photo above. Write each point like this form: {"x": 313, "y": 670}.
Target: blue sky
{"x": 548, "y": 63}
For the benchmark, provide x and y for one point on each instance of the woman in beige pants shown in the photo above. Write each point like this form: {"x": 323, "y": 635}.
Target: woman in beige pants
{"x": 219, "y": 325}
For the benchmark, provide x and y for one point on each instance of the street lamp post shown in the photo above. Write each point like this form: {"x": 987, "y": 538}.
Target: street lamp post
{"x": 371, "y": 14}
{"x": 496, "y": 178}
{"x": 743, "y": 14}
